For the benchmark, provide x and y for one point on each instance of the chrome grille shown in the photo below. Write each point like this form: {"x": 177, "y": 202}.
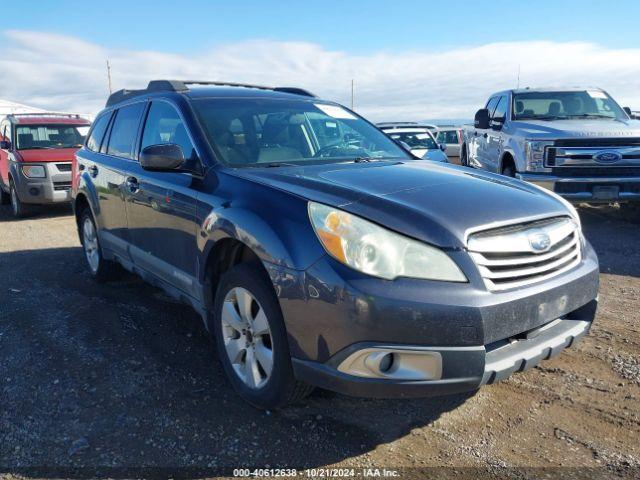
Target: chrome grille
{"x": 507, "y": 257}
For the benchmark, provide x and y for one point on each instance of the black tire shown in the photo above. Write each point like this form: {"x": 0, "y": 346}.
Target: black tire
{"x": 18, "y": 209}
{"x": 630, "y": 212}
{"x": 509, "y": 170}
{"x": 280, "y": 387}
{"x": 5, "y": 199}
{"x": 101, "y": 270}
{"x": 464, "y": 157}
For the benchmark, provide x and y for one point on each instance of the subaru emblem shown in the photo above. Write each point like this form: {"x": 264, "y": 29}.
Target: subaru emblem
{"x": 607, "y": 156}
{"x": 539, "y": 241}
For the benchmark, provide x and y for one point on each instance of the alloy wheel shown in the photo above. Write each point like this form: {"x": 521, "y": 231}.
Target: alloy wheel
{"x": 90, "y": 244}
{"x": 247, "y": 337}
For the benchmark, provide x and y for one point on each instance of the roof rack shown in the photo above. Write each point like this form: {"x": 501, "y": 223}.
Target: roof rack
{"x": 182, "y": 86}
{"x": 46, "y": 114}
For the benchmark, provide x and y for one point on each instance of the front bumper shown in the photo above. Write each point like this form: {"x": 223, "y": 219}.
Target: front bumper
{"x": 331, "y": 311}
{"x": 585, "y": 189}
{"x": 467, "y": 368}
{"x": 54, "y": 188}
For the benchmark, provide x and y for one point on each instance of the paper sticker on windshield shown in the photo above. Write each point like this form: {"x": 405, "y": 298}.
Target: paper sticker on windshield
{"x": 422, "y": 136}
{"x": 596, "y": 94}
{"x": 335, "y": 111}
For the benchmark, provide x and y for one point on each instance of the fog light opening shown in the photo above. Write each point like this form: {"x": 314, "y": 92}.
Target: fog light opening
{"x": 386, "y": 363}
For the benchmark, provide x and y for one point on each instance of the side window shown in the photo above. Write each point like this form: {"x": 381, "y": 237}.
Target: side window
{"x": 491, "y": 105}
{"x": 501, "y": 109}
{"x": 125, "y": 130}
{"x": 97, "y": 132}
{"x": 164, "y": 125}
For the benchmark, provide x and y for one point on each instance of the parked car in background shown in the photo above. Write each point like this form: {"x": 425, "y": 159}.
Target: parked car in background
{"x": 390, "y": 125}
{"x": 321, "y": 260}
{"x": 578, "y": 143}
{"x": 419, "y": 139}
{"x": 36, "y": 155}
{"x": 451, "y": 137}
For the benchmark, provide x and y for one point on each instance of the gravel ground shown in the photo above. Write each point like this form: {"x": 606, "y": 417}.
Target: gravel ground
{"x": 118, "y": 380}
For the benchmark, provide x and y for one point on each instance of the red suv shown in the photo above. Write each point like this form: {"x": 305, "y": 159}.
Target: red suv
{"x": 36, "y": 155}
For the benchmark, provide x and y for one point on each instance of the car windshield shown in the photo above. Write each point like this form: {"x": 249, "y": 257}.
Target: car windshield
{"x": 566, "y": 105}
{"x": 248, "y": 132}
{"x": 415, "y": 140}
{"x": 50, "y": 136}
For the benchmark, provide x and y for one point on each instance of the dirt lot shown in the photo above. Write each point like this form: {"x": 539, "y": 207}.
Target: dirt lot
{"x": 117, "y": 380}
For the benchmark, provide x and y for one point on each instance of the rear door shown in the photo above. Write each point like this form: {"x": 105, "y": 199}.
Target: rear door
{"x": 105, "y": 162}
{"x": 451, "y": 140}
{"x": 161, "y": 206}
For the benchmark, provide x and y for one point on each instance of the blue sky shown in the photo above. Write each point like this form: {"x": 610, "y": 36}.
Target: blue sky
{"x": 356, "y": 26}
{"x": 409, "y": 59}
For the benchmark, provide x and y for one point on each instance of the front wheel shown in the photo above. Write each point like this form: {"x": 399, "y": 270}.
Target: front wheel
{"x": 251, "y": 340}
{"x": 18, "y": 209}
{"x": 4, "y": 197}
{"x": 630, "y": 211}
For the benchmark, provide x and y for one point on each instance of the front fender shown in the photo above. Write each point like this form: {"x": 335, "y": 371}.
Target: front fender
{"x": 88, "y": 189}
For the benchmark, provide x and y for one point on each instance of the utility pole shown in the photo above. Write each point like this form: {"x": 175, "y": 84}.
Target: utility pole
{"x": 518, "y": 76}
{"x": 352, "y": 93}
{"x": 109, "y": 76}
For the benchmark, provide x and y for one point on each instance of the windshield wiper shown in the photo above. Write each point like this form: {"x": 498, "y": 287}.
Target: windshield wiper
{"x": 591, "y": 115}
{"x": 280, "y": 164}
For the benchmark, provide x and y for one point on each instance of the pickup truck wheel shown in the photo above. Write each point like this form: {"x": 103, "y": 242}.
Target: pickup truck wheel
{"x": 464, "y": 159}
{"x": 101, "y": 270}
{"x": 509, "y": 171}
{"x": 630, "y": 211}
{"x": 4, "y": 197}
{"x": 251, "y": 340}
{"x": 18, "y": 209}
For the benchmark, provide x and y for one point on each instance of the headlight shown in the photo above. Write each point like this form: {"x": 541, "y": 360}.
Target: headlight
{"x": 371, "y": 249}
{"x": 33, "y": 171}
{"x": 534, "y": 155}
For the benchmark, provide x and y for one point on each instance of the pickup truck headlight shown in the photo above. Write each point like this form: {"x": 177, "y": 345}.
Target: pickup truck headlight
{"x": 33, "y": 171}
{"x": 376, "y": 251}
{"x": 534, "y": 155}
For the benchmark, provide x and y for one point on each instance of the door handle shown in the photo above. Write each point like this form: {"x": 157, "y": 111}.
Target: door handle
{"x": 93, "y": 170}
{"x": 132, "y": 184}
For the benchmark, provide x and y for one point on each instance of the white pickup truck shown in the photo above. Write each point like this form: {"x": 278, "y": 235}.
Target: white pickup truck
{"x": 578, "y": 143}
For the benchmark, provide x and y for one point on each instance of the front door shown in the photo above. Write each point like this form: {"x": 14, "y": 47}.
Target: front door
{"x": 495, "y": 137}
{"x": 161, "y": 206}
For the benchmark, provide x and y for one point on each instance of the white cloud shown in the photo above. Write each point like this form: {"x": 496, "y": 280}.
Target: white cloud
{"x": 66, "y": 73}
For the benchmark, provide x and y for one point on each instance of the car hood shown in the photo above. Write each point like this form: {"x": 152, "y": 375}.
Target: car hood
{"x": 47, "y": 155}
{"x": 578, "y": 128}
{"x": 433, "y": 202}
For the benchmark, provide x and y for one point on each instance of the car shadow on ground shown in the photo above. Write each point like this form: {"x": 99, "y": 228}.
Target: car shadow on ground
{"x": 117, "y": 379}
{"x": 37, "y": 212}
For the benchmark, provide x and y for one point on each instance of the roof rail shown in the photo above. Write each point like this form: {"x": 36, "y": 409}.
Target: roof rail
{"x": 47, "y": 114}
{"x": 181, "y": 86}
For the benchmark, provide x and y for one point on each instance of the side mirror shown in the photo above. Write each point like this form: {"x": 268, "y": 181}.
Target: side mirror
{"x": 5, "y": 145}
{"x": 164, "y": 157}
{"x": 443, "y": 147}
{"x": 481, "y": 120}
{"x": 628, "y": 111}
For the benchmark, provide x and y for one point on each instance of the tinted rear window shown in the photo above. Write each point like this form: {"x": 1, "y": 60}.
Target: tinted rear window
{"x": 125, "y": 130}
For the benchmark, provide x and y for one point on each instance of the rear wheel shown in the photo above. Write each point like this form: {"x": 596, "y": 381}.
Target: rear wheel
{"x": 464, "y": 158}
{"x": 251, "y": 340}
{"x": 100, "y": 269}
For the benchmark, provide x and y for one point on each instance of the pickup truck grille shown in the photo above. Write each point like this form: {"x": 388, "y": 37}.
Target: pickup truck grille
{"x": 520, "y": 255}
{"x": 596, "y": 171}
{"x": 584, "y": 153}
{"x": 598, "y": 142}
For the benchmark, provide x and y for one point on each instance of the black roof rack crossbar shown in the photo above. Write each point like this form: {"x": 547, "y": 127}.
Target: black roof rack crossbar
{"x": 181, "y": 86}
